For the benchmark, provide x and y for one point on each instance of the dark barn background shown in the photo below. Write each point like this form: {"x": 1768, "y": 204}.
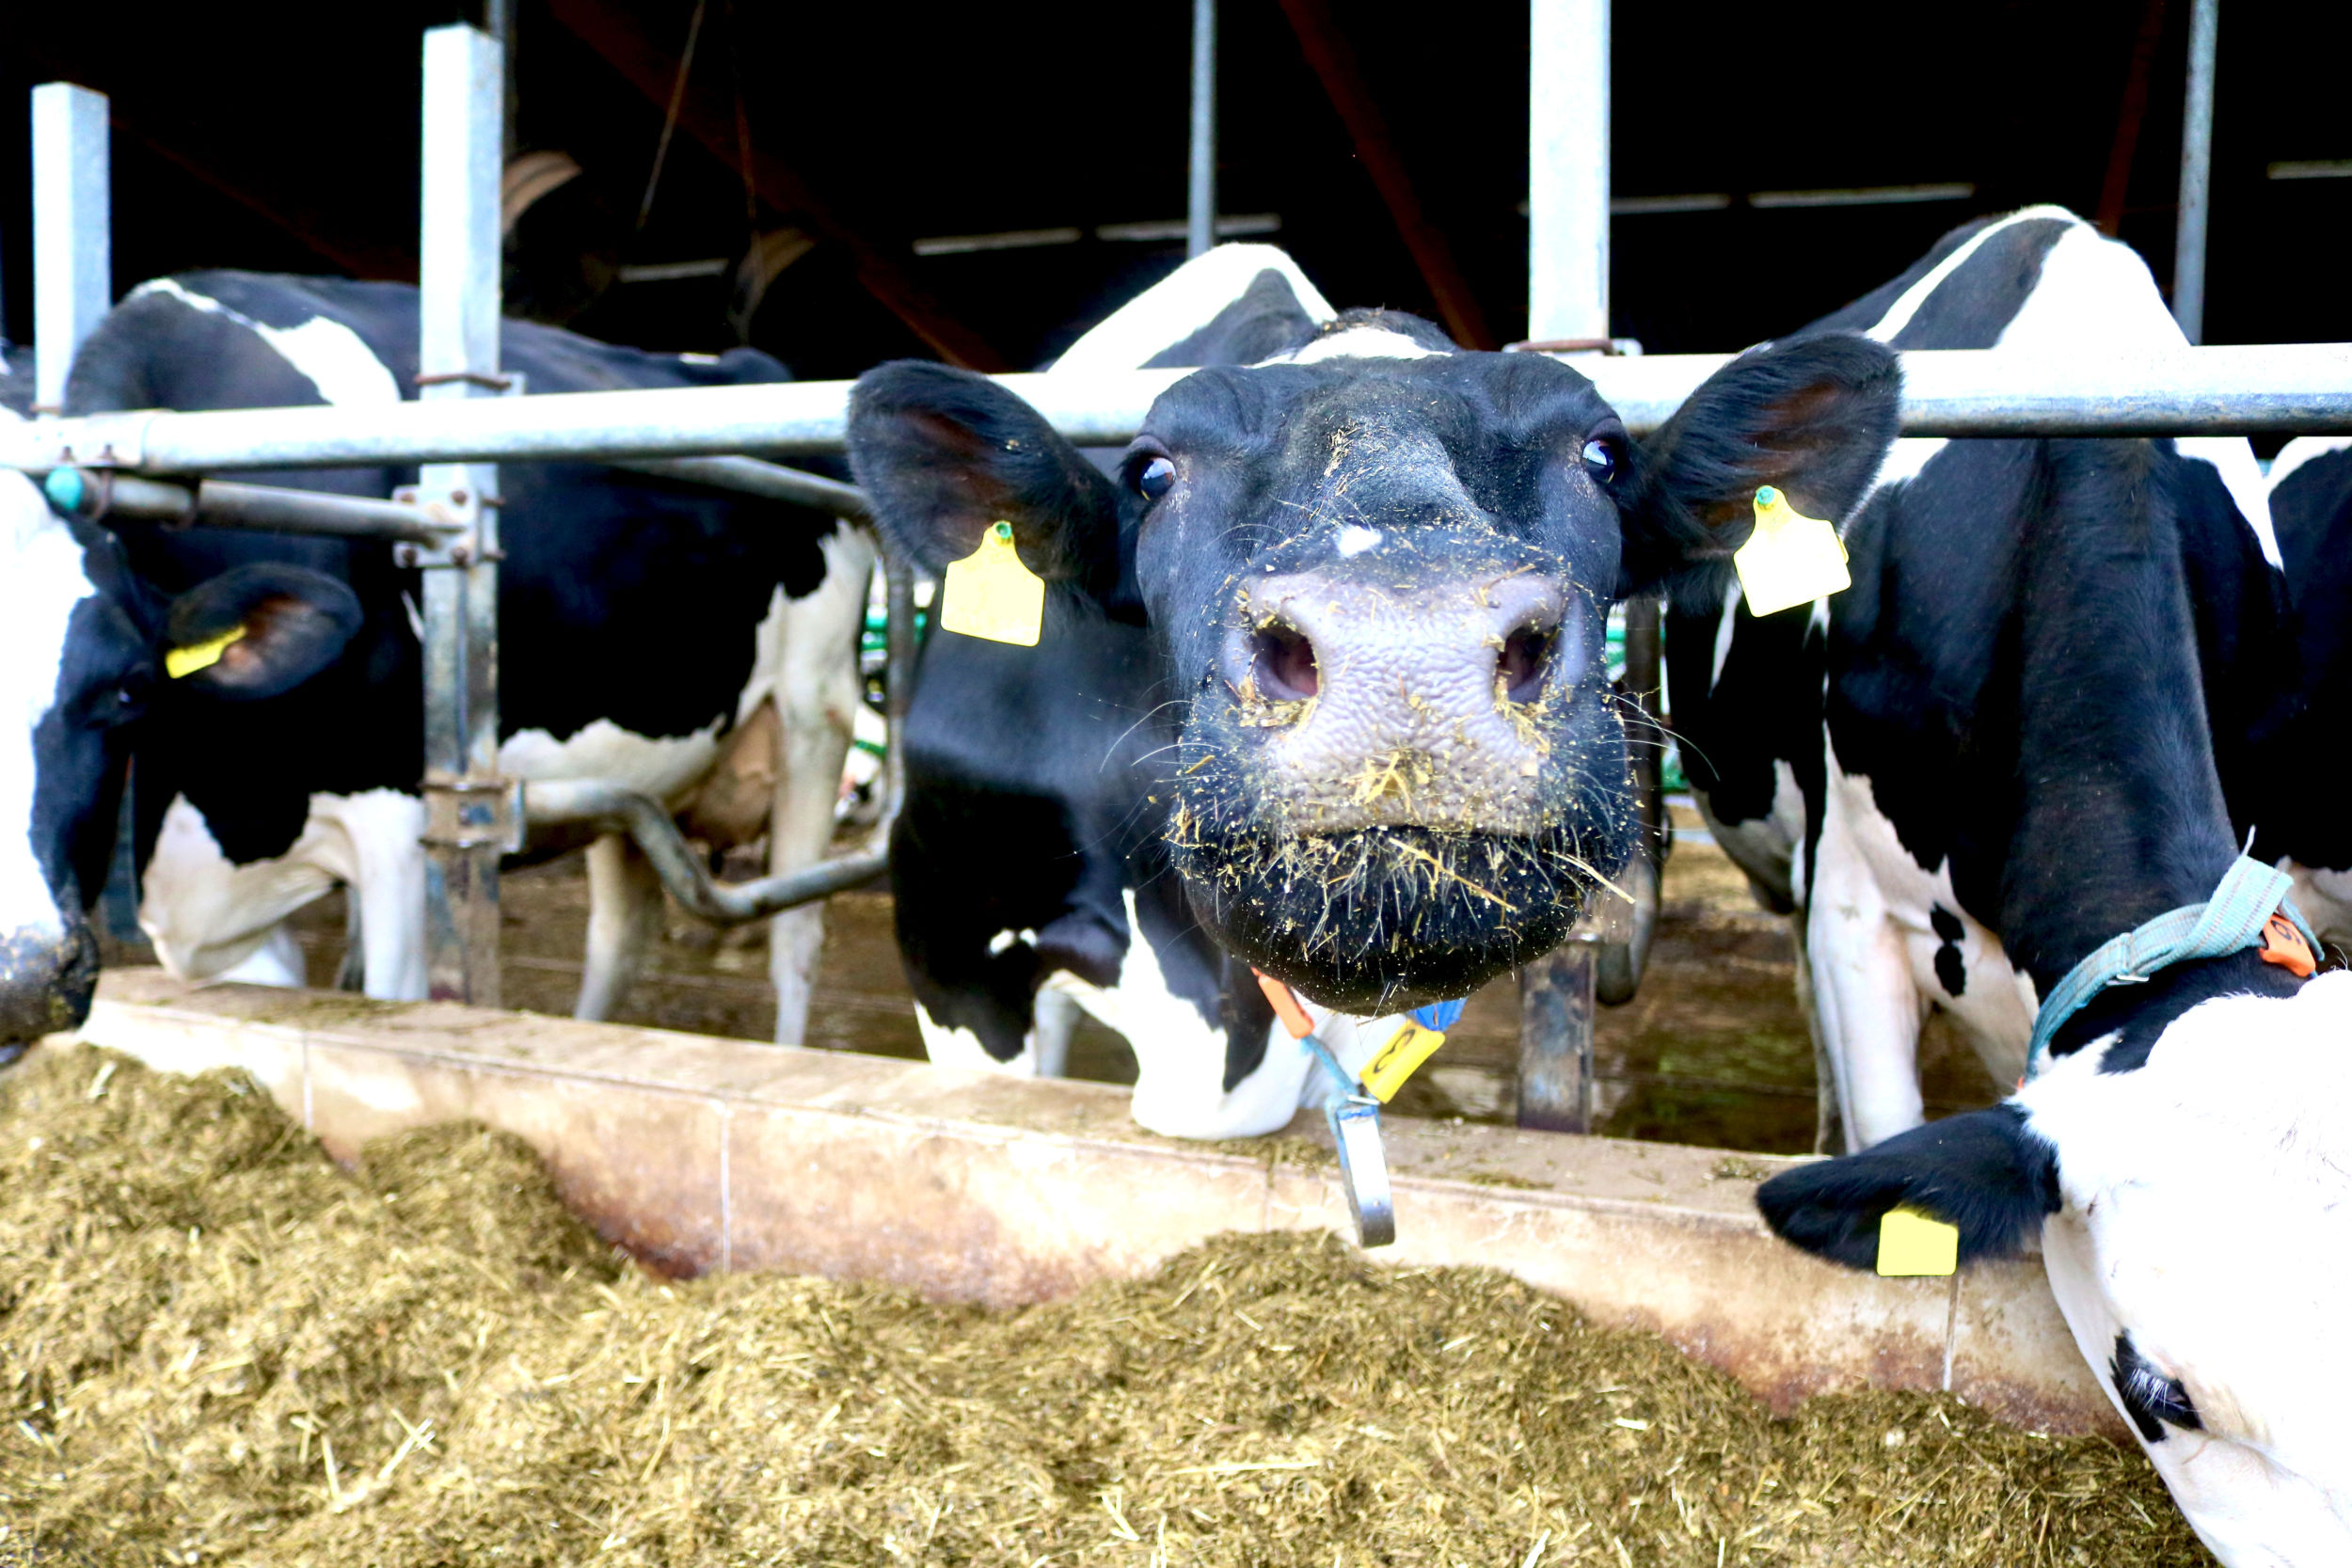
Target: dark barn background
{"x": 284, "y": 137}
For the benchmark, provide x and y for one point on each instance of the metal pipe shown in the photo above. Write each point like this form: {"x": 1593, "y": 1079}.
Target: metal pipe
{"x": 2188, "y": 250}
{"x": 751, "y": 477}
{"x": 2239, "y": 390}
{"x": 97, "y": 494}
{"x": 1567, "y": 169}
{"x": 72, "y": 246}
{"x": 1200, "y": 203}
{"x": 647, "y": 820}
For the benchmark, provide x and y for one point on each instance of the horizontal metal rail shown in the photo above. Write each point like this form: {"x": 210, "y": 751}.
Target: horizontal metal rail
{"x": 752, "y": 477}
{"x": 2268, "y": 389}
{"x": 264, "y": 508}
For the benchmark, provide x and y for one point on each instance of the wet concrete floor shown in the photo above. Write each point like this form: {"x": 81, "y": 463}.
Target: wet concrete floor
{"x": 1713, "y": 1050}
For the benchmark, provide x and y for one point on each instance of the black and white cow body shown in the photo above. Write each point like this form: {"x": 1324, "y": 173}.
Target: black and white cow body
{"x": 1862, "y": 760}
{"x": 642, "y": 622}
{"x": 1373, "y": 576}
{"x": 2303, "y": 830}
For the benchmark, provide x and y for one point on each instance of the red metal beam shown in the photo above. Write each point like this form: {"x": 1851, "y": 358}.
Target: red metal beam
{"x": 651, "y": 67}
{"x": 2128, "y": 115}
{"x": 1334, "y": 61}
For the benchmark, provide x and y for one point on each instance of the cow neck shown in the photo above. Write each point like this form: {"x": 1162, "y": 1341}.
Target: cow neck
{"x": 2120, "y": 815}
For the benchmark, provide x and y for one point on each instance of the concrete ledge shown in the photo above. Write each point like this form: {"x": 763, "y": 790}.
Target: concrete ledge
{"x": 698, "y": 1153}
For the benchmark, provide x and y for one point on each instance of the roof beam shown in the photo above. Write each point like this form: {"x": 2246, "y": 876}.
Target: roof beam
{"x": 1334, "y": 61}
{"x": 616, "y": 37}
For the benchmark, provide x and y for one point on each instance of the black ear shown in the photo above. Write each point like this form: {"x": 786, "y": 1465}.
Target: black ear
{"x": 256, "y": 631}
{"x": 1813, "y": 417}
{"x": 1982, "y": 1172}
{"x": 944, "y": 453}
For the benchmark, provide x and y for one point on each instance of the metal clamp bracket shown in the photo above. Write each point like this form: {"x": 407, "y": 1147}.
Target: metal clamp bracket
{"x": 473, "y": 814}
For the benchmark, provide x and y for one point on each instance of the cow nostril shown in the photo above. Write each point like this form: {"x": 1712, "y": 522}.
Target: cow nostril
{"x": 1526, "y": 658}
{"x": 1284, "y": 662}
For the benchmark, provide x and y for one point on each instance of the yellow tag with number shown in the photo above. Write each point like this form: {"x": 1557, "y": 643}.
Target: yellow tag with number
{"x": 1400, "y": 1059}
{"x": 1911, "y": 1243}
{"x": 990, "y": 593}
{"x": 202, "y": 655}
{"x": 1790, "y": 558}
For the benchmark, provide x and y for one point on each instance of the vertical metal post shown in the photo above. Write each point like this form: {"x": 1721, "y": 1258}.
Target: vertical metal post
{"x": 1567, "y": 169}
{"x": 1567, "y": 296}
{"x": 498, "y": 20}
{"x": 471, "y": 815}
{"x": 2188, "y": 250}
{"x": 1556, "y": 1040}
{"x": 1200, "y": 205}
{"x": 72, "y": 243}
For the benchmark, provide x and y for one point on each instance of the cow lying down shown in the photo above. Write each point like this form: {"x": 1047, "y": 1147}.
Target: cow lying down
{"x": 647, "y": 628}
{"x": 1336, "y": 620}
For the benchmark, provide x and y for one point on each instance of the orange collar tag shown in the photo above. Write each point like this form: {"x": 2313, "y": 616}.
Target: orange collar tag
{"x": 2284, "y": 945}
{"x": 1286, "y": 1007}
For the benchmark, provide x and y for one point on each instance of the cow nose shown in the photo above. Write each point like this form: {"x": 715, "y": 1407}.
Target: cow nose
{"x": 46, "y": 978}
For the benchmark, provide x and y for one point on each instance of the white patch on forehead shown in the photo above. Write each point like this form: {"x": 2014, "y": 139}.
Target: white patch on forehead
{"x": 1182, "y": 303}
{"x": 1355, "y": 539}
{"x": 1357, "y": 342}
{"x": 41, "y": 581}
{"x": 345, "y": 370}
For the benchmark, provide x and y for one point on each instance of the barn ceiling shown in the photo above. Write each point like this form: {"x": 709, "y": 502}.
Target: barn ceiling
{"x": 870, "y": 160}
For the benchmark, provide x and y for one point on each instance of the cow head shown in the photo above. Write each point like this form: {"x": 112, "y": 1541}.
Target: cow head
{"x": 89, "y": 647}
{"x": 1377, "y": 576}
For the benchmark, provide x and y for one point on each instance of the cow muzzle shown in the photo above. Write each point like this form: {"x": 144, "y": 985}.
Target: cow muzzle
{"x": 46, "y": 978}
{"x": 1379, "y": 701}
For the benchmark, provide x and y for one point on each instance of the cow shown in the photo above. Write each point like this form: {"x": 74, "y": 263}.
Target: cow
{"x": 643, "y": 624}
{"x": 1859, "y": 759}
{"x": 1028, "y": 880}
{"x": 76, "y": 630}
{"x": 2310, "y": 506}
{"x": 1370, "y": 578}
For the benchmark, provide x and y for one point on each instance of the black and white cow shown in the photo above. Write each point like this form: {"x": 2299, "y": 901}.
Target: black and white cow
{"x": 2305, "y": 830}
{"x": 1860, "y": 760}
{"x": 1029, "y": 876}
{"x": 642, "y": 622}
{"x": 77, "y": 659}
{"x": 1371, "y": 579}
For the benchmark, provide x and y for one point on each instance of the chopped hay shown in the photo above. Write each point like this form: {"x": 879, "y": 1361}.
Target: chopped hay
{"x": 217, "y": 1347}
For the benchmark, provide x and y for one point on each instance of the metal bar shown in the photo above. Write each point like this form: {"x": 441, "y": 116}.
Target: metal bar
{"x": 1625, "y": 953}
{"x": 262, "y": 508}
{"x": 2240, "y": 389}
{"x": 751, "y": 477}
{"x": 2188, "y": 250}
{"x": 1200, "y": 203}
{"x": 469, "y": 810}
{"x": 1334, "y": 63}
{"x": 72, "y": 248}
{"x": 1556, "y": 1040}
{"x": 1567, "y": 169}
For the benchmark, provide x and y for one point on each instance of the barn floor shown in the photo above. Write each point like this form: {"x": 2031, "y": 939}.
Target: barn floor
{"x": 1713, "y": 1050}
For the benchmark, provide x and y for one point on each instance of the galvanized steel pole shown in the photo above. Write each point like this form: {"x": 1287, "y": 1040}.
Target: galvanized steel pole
{"x": 1200, "y": 205}
{"x": 72, "y": 250}
{"x": 2188, "y": 249}
{"x": 1567, "y": 170}
{"x": 472, "y": 815}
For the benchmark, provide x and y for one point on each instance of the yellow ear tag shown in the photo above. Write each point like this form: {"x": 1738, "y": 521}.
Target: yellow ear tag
{"x": 1400, "y": 1059}
{"x": 1790, "y": 558}
{"x": 1911, "y": 1244}
{"x": 990, "y": 593}
{"x": 179, "y": 662}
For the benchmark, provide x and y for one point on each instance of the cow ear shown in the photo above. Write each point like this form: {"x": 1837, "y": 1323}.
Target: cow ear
{"x": 256, "y": 631}
{"x": 944, "y": 453}
{"x": 1983, "y": 1173}
{"x": 1813, "y": 417}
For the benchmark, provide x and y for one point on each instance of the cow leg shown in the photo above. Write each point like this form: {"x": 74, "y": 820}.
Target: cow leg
{"x": 1866, "y": 1009}
{"x": 623, "y": 918}
{"x": 277, "y": 962}
{"x": 352, "y": 974}
{"x": 1829, "y": 1135}
{"x": 818, "y": 692}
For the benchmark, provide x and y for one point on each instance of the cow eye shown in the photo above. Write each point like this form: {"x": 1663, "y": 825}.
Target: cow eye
{"x": 1600, "y": 459}
{"x": 1156, "y": 477}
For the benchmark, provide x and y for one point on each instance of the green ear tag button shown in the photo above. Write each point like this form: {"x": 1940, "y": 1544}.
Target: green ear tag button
{"x": 1790, "y": 558}
{"x": 990, "y": 593}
